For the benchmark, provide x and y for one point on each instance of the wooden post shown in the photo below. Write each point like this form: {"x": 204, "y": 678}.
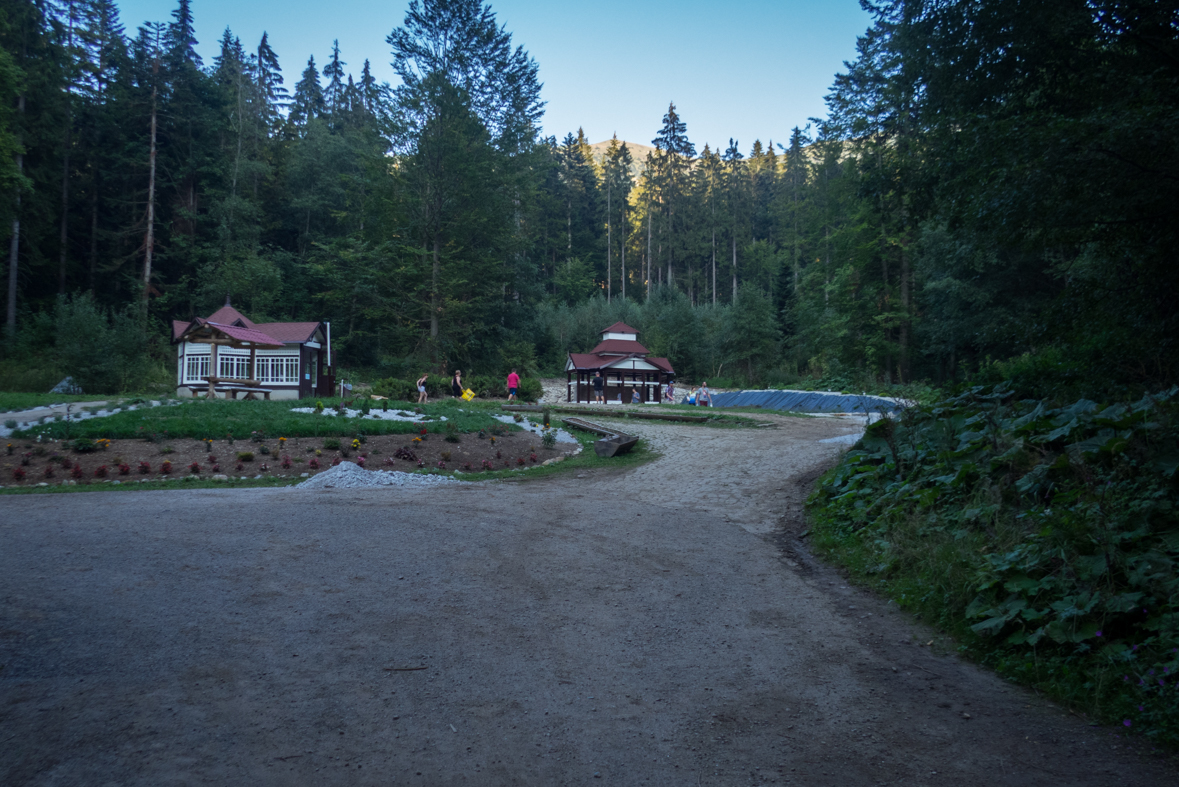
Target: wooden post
{"x": 213, "y": 371}
{"x": 253, "y": 368}
{"x": 568, "y": 382}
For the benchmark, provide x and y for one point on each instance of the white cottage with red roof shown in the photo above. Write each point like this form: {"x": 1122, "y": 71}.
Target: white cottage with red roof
{"x": 291, "y": 360}
{"x": 624, "y": 363}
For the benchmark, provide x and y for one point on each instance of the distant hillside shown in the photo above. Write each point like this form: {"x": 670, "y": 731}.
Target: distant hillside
{"x": 637, "y": 152}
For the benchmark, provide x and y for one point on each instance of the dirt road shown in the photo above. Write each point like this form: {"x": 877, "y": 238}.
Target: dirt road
{"x": 650, "y": 627}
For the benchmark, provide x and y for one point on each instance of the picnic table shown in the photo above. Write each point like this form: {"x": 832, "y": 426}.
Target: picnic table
{"x": 231, "y": 388}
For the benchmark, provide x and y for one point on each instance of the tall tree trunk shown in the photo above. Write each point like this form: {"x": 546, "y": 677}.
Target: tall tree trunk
{"x": 649, "y": 251}
{"x": 149, "y": 241}
{"x": 734, "y": 265}
{"x": 903, "y": 365}
{"x": 14, "y": 243}
{"x": 435, "y": 275}
{"x": 65, "y": 158}
{"x": 622, "y": 262}
{"x": 714, "y": 266}
{"x": 93, "y": 233}
{"x": 609, "y": 243}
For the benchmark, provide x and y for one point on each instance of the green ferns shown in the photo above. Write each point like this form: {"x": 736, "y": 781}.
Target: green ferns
{"x": 1046, "y": 538}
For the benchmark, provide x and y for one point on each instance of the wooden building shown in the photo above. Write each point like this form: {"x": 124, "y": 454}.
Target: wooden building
{"x": 296, "y": 365}
{"x": 624, "y": 363}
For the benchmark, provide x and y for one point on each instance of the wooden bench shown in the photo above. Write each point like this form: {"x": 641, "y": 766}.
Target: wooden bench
{"x": 231, "y": 391}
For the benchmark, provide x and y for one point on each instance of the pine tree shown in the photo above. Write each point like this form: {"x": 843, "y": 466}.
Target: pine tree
{"x": 308, "y": 103}
{"x": 673, "y": 162}
{"x": 334, "y": 93}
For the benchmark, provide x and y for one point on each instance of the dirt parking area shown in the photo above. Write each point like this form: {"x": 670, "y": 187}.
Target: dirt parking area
{"x": 659, "y": 626}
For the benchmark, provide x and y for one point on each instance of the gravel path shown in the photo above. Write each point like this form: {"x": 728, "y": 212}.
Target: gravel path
{"x": 660, "y": 626}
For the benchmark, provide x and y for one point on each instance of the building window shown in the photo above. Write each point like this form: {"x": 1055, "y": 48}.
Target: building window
{"x": 234, "y": 366}
{"x": 279, "y": 370}
{"x": 196, "y": 367}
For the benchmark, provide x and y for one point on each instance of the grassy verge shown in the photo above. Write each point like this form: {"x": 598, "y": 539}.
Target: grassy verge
{"x": 1045, "y": 540}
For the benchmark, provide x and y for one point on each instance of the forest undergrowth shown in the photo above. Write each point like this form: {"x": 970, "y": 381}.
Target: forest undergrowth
{"x": 1044, "y": 539}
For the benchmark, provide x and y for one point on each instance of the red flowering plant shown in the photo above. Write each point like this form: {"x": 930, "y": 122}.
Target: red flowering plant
{"x": 313, "y": 463}
{"x": 532, "y": 457}
{"x": 100, "y": 471}
{"x": 144, "y": 468}
{"x": 165, "y": 467}
{"x": 360, "y": 461}
{"x": 48, "y": 472}
{"x": 124, "y": 469}
{"x": 77, "y": 473}
{"x": 286, "y": 463}
{"x": 195, "y": 468}
{"x": 18, "y": 473}
{"x": 519, "y": 460}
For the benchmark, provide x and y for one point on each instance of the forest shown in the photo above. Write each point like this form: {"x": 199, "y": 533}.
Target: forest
{"x": 992, "y": 196}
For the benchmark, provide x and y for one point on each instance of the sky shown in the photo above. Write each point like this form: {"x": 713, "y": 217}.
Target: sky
{"x": 745, "y": 69}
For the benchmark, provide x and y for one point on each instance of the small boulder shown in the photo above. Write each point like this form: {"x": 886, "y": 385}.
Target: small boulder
{"x": 67, "y": 386}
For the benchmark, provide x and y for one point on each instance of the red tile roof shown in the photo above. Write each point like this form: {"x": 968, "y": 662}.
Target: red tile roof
{"x": 662, "y": 363}
{"x": 227, "y": 315}
{"x": 251, "y": 335}
{"x": 620, "y": 347}
{"x": 621, "y": 327}
{"x": 289, "y": 331}
{"x": 178, "y": 327}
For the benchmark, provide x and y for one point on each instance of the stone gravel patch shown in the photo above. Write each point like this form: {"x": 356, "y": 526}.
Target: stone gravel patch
{"x": 348, "y": 475}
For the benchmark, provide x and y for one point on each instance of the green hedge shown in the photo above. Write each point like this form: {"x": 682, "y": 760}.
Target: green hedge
{"x": 1046, "y": 539}
{"x": 437, "y": 386}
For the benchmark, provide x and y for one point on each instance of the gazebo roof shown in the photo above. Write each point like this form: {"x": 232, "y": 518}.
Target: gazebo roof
{"x": 621, "y": 327}
{"x": 619, "y": 347}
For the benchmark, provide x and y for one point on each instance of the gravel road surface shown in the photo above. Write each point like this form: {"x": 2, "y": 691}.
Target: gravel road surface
{"x": 661, "y": 626}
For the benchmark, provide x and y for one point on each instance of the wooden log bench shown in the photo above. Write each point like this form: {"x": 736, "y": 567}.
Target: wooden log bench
{"x": 231, "y": 391}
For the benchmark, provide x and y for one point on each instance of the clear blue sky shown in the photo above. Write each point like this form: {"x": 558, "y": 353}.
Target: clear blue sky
{"x": 745, "y": 68}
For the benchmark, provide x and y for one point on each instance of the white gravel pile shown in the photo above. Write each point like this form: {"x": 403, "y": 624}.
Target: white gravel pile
{"x": 561, "y": 435}
{"x": 348, "y": 475}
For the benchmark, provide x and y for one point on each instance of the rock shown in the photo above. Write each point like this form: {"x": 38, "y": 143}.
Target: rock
{"x": 220, "y": 477}
{"x": 304, "y": 475}
{"x": 66, "y": 386}
{"x": 42, "y": 484}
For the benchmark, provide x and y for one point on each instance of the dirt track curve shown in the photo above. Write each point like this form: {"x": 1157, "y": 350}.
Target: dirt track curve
{"x": 661, "y": 626}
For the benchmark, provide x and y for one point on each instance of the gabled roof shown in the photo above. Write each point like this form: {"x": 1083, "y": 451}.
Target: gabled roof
{"x": 620, "y": 347}
{"x": 227, "y": 315}
{"x": 621, "y": 327}
{"x": 289, "y": 331}
{"x": 662, "y": 363}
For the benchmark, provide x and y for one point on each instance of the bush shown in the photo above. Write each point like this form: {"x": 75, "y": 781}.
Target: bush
{"x": 245, "y": 456}
{"x": 1045, "y": 538}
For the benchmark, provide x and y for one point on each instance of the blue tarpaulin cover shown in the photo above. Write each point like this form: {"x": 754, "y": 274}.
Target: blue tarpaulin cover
{"x": 806, "y": 401}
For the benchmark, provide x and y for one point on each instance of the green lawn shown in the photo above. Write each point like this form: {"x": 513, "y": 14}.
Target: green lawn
{"x": 214, "y": 419}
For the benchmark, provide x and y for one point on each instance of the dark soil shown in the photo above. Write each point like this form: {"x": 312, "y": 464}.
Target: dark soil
{"x": 58, "y": 462}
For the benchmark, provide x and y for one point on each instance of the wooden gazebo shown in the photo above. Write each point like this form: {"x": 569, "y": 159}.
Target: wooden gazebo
{"x": 216, "y": 335}
{"x": 624, "y": 363}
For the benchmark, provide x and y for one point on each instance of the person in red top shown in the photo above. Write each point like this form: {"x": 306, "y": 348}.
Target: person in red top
{"x": 513, "y": 385}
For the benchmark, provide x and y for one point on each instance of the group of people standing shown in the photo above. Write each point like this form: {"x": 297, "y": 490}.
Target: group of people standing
{"x": 702, "y": 397}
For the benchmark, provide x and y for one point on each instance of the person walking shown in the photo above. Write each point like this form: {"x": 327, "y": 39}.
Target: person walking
{"x": 634, "y": 396}
{"x": 422, "y": 389}
{"x": 456, "y": 384}
{"x": 599, "y": 388}
{"x": 513, "y": 385}
{"x": 703, "y": 396}
{"x": 669, "y": 391}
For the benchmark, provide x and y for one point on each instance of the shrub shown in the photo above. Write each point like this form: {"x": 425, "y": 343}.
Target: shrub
{"x": 549, "y": 439}
{"x": 10, "y": 423}
{"x": 265, "y": 450}
{"x": 245, "y": 456}
{"x": 331, "y": 444}
{"x": 83, "y": 445}
{"x": 166, "y": 467}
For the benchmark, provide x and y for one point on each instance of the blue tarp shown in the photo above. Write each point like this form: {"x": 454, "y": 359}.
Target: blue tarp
{"x": 806, "y": 401}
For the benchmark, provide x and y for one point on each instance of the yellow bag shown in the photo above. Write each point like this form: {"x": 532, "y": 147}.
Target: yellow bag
{"x": 468, "y": 394}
